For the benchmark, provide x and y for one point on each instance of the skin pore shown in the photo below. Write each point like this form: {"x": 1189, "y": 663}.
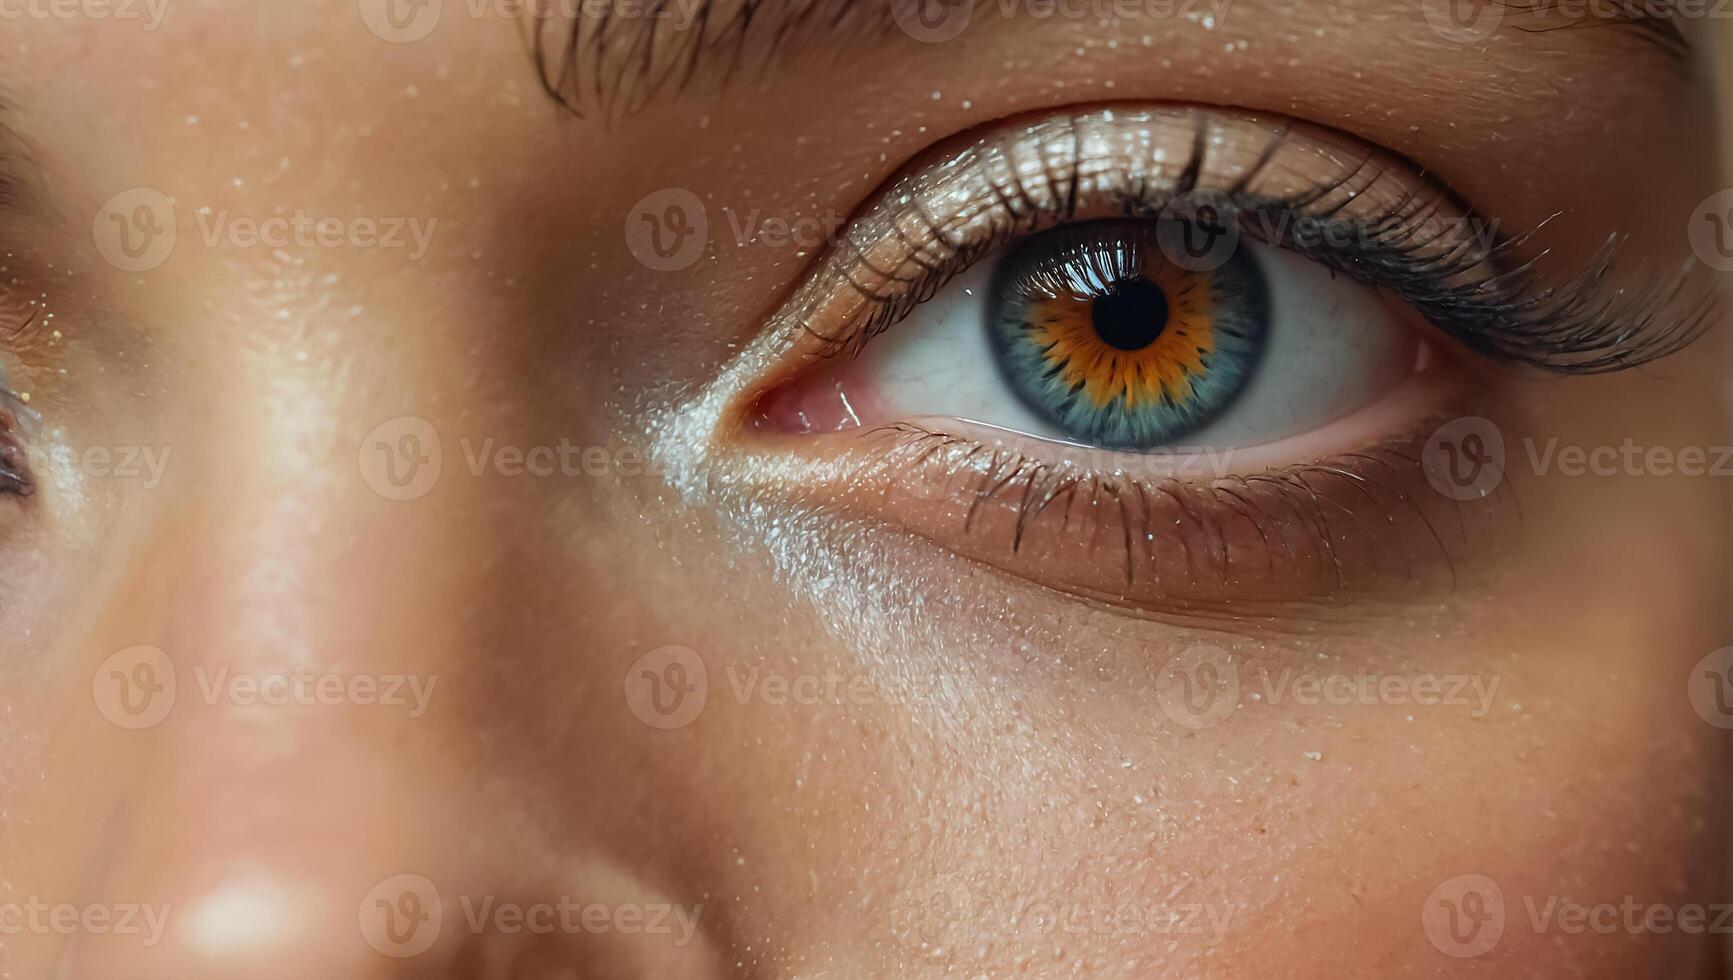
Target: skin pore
{"x": 918, "y": 753}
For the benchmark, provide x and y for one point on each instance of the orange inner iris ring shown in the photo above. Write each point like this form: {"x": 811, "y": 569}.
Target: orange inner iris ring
{"x": 1064, "y": 328}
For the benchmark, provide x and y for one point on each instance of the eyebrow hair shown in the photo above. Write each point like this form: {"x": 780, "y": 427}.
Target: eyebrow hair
{"x": 630, "y": 51}
{"x": 1651, "y": 20}
{"x": 18, "y": 194}
{"x": 623, "y": 69}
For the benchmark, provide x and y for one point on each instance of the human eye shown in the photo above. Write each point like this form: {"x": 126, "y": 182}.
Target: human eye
{"x": 1111, "y": 334}
{"x": 1159, "y": 354}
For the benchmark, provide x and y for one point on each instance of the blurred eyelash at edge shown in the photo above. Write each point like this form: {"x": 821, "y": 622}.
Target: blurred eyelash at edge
{"x": 1475, "y": 287}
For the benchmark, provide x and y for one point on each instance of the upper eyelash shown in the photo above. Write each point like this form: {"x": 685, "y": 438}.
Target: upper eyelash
{"x": 1480, "y": 292}
{"x": 1572, "y": 328}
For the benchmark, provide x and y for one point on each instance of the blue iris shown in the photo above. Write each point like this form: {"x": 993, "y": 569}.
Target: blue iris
{"x": 1141, "y": 310}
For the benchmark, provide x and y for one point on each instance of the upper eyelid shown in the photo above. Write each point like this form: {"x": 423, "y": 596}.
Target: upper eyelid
{"x": 927, "y": 214}
{"x": 932, "y": 221}
{"x": 1036, "y": 173}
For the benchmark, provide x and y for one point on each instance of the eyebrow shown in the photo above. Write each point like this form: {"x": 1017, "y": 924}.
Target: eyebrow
{"x": 1653, "y": 22}
{"x": 620, "y": 57}
{"x": 633, "y": 50}
{"x": 18, "y": 189}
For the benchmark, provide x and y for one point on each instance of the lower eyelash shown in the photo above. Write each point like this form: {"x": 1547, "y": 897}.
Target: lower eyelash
{"x": 1355, "y": 523}
{"x": 1478, "y": 290}
{"x": 17, "y": 421}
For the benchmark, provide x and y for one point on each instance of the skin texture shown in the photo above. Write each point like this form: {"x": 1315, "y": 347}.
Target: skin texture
{"x": 998, "y": 753}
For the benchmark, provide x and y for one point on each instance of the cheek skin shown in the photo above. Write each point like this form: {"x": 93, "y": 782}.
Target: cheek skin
{"x": 1023, "y": 764}
{"x": 1012, "y": 756}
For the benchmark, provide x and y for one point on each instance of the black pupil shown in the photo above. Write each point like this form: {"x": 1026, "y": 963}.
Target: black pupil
{"x": 1131, "y": 315}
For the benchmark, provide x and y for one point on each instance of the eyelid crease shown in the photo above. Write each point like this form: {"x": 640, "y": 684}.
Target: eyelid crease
{"x": 1293, "y": 184}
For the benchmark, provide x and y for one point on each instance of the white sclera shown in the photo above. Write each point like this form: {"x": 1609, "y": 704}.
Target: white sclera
{"x": 1333, "y": 346}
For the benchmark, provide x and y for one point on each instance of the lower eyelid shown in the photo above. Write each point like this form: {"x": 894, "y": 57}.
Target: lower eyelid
{"x": 1358, "y": 524}
{"x": 1352, "y": 514}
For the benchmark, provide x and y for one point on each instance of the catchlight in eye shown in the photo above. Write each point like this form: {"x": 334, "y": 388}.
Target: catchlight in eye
{"x": 1102, "y": 335}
